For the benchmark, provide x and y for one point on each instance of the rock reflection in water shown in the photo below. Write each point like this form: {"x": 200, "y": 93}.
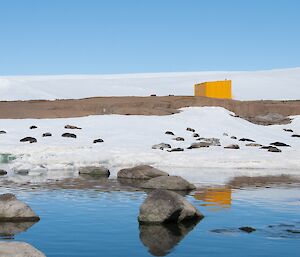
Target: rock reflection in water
{"x": 161, "y": 239}
{"x": 216, "y": 197}
{"x": 10, "y": 229}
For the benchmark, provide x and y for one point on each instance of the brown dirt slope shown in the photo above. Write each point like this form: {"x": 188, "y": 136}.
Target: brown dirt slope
{"x": 255, "y": 111}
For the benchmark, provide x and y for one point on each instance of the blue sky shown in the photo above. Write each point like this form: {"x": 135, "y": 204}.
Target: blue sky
{"x": 131, "y": 36}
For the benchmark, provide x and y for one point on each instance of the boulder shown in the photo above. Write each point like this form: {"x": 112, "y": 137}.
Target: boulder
{"x": 176, "y": 183}
{"x": 3, "y": 172}
{"x": 19, "y": 249}
{"x": 169, "y": 133}
{"x": 161, "y": 146}
{"x": 179, "y": 138}
{"x": 13, "y": 210}
{"x": 33, "y": 127}
{"x": 99, "y": 140}
{"x": 94, "y": 171}
{"x": 28, "y": 139}
{"x": 178, "y": 149}
{"x": 47, "y": 134}
{"x": 164, "y": 206}
{"x": 2, "y": 132}
{"x": 141, "y": 172}
{"x": 280, "y": 144}
{"x": 247, "y": 229}
{"x": 246, "y": 140}
{"x": 71, "y": 127}
{"x": 288, "y": 130}
{"x": 190, "y": 129}
{"x": 274, "y": 149}
{"x": 199, "y": 145}
{"x": 254, "y": 145}
{"x": 295, "y": 135}
{"x": 233, "y": 146}
{"x": 69, "y": 135}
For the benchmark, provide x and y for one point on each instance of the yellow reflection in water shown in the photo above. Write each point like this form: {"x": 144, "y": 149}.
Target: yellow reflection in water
{"x": 216, "y": 197}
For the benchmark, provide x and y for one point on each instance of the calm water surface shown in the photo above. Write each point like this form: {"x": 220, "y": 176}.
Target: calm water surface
{"x": 76, "y": 222}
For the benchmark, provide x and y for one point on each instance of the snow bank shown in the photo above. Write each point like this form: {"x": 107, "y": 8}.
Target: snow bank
{"x": 271, "y": 85}
{"x": 128, "y": 141}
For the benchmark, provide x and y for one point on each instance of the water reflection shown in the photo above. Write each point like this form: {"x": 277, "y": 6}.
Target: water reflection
{"x": 216, "y": 197}
{"x": 10, "y": 229}
{"x": 161, "y": 239}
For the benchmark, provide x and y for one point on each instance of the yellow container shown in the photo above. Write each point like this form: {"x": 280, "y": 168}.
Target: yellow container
{"x": 214, "y": 89}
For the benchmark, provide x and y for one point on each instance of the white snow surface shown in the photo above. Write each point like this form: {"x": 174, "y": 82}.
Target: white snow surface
{"x": 255, "y": 85}
{"x": 128, "y": 141}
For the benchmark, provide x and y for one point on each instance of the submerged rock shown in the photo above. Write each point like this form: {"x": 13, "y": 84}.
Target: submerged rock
{"x": 13, "y": 210}
{"x": 141, "y": 172}
{"x": 161, "y": 146}
{"x": 71, "y": 127}
{"x": 164, "y": 206}
{"x": 170, "y": 183}
{"x": 94, "y": 171}
{"x": 71, "y": 135}
{"x": 99, "y": 140}
{"x": 28, "y": 139}
{"x": 19, "y": 249}
{"x": 280, "y": 144}
{"x": 47, "y": 134}
{"x": 233, "y": 146}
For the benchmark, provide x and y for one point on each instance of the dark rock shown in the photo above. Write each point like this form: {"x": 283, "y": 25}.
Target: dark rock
{"x": 288, "y": 130}
{"x": 71, "y": 127}
{"x": 13, "y": 210}
{"x": 28, "y": 139}
{"x": 164, "y": 206}
{"x": 33, "y": 127}
{"x": 233, "y": 146}
{"x": 295, "y": 135}
{"x": 99, "y": 140}
{"x": 179, "y": 138}
{"x": 161, "y": 146}
{"x": 246, "y": 140}
{"x": 162, "y": 238}
{"x": 2, "y": 132}
{"x": 169, "y": 133}
{"x": 3, "y": 172}
{"x": 69, "y": 135}
{"x": 94, "y": 171}
{"x": 169, "y": 183}
{"x": 280, "y": 144}
{"x": 176, "y": 150}
{"x": 247, "y": 229}
{"x": 274, "y": 149}
{"x": 141, "y": 172}
{"x": 190, "y": 129}
{"x": 47, "y": 134}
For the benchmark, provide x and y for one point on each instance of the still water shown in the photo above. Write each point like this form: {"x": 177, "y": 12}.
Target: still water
{"x": 82, "y": 222}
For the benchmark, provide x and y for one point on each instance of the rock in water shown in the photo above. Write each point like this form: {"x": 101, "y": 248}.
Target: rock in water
{"x": 141, "y": 172}
{"x": 3, "y": 172}
{"x": 28, "y": 139}
{"x": 47, "y": 134}
{"x": 163, "y": 206}
{"x": 19, "y": 249}
{"x": 13, "y": 210}
{"x": 99, "y": 140}
{"x": 170, "y": 183}
{"x": 233, "y": 146}
{"x": 161, "y": 146}
{"x": 71, "y": 127}
{"x": 169, "y": 133}
{"x": 280, "y": 144}
{"x": 69, "y": 135}
{"x": 94, "y": 171}
{"x": 247, "y": 229}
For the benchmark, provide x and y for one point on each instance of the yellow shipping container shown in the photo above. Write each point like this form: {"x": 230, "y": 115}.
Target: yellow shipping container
{"x": 214, "y": 89}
